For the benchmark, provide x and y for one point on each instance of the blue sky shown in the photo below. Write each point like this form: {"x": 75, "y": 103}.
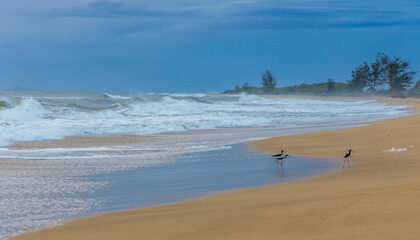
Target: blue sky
{"x": 196, "y": 45}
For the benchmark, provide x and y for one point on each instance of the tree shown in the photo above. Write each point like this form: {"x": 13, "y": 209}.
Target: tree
{"x": 268, "y": 81}
{"x": 395, "y": 73}
{"x": 245, "y": 86}
{"x": 375, "y": 77}
{"x": 360, "y": 77}
{"x": 330, "y": 84}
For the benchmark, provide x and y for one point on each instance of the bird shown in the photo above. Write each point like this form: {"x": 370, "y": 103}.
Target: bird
{"x": 281, "y": 159}
{"x": 347, "y": 157}
{"x": 279, "y": 155}
{"x": 348, "y": 154}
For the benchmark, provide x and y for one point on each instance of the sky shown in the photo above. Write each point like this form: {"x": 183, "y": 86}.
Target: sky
{"x": 191, "y": 46}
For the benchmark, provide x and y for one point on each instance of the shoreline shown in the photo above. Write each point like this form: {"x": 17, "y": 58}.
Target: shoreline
{"x": 295, "y": 144}
{"x": 256, "y": 164}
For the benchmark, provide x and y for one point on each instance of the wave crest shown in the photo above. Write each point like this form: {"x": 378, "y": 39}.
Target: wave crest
{"x": 114, "y": 96}
{"x": 28, "y": 110}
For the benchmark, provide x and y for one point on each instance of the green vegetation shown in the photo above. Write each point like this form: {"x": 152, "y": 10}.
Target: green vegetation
{"x": 268, "y": 81}
{"x": 330, "y": 86}
{"x": 327, "y": 88}
{"x": 385, "y": 76}
{"x": 415, "y": 91}
{"x": 385, "y": 70}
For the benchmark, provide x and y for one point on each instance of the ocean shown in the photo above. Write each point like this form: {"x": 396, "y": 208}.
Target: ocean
{"x": 29, "y": 116}
{"x": 67, "y": 155}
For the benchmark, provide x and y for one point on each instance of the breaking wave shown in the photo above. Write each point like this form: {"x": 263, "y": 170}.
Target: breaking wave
{"x": 107, "y": 95}
{"x": 53, "y": 117}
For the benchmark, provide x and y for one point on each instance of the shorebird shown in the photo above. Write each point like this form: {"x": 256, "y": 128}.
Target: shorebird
{"x": 281, "y": 159}
{"x": 347, "y": 157}
{"x": 279, "y": 155}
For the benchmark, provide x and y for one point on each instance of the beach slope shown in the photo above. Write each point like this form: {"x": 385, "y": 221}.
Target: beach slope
{"x": 377, "y": 198}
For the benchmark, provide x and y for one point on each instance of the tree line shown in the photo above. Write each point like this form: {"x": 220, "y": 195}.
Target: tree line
{"x": 393, "y": 72}
{"x": 268, "y": 82}
{"x": 385, "y": 75}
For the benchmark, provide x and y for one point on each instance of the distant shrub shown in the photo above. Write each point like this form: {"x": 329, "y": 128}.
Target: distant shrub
{"x": 268, "y": 81}
{"x": 415, "y": 91}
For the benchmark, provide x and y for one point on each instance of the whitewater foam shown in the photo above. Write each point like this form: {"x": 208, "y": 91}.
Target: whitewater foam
{"x": 116, "y": 96}
{"x": 56, "y": 117}
{"x": 29, "y": 110}
{"x": 396, "y": 150}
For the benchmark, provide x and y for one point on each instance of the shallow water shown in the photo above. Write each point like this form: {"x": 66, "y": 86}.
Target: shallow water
{"x": 197, "y": 174}
{"x": 39, "y": 193}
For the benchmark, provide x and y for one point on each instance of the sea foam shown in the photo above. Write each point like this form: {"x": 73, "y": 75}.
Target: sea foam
{"x": 396, "y": 150}
{"x": 45, "y": 117}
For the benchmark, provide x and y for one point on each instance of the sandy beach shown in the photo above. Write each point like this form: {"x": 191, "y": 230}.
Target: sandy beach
{"x": 377, "y": 198}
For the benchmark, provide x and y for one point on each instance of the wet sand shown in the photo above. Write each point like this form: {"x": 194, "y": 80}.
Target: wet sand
{"x": 378, "y": 198}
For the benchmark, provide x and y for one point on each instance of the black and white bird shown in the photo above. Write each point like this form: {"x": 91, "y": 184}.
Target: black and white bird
{"x": 347, "y": 158}
{"x": 348, "y": 154}
{"x": 281, "y": 159}
{"x": 279, "y": 155}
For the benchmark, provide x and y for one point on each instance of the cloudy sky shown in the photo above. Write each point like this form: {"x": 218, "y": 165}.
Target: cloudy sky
{"x": 196, "y": 45}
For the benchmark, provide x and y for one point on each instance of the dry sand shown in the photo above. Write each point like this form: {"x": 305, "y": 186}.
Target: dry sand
{"x": 378, "y": 198}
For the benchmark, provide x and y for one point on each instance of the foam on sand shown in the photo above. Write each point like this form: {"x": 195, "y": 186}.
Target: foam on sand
{"x": 396, "y": 150}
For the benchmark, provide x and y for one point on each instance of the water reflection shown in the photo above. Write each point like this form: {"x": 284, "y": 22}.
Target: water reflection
{"x": 281, "y": 171}
{"x": 197, "y": 174}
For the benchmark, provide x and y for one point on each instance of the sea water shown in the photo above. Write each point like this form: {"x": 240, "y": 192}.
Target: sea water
{"x": 44, "y": 115}
{"x": 192, "y": 152}
{"x": 196, "y": 174}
